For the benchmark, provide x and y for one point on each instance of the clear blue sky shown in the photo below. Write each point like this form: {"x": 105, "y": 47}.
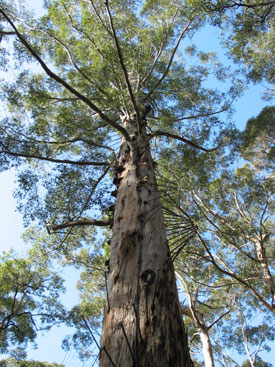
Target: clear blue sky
{"x": 11, "y": 226}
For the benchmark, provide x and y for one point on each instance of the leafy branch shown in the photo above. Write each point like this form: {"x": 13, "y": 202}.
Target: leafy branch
{"x": 61, "y": 81}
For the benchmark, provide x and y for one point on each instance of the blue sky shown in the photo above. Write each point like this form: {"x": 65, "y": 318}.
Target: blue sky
{"x": 11, "y": 226}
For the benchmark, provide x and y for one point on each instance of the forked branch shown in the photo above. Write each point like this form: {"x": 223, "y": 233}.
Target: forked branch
{"x": 170, "y": 61}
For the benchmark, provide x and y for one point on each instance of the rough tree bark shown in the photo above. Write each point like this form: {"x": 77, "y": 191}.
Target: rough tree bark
{"x": 142, "y": 325}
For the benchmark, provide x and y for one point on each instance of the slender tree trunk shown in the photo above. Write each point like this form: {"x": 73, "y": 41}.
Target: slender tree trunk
{"x": 265, "y": 269}
{"x": 142, "y": 324}
{"x": 203, "y": 331}
{"x": 206, "y": 348}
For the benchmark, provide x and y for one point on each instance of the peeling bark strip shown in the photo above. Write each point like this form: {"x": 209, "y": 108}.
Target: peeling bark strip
{"x": 142, "y": 324}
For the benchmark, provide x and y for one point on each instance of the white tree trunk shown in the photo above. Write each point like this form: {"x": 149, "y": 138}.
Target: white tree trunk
{"x": 142, "y": 324}
{"x": 260, "y": 250}
{"x": 206, "y": 348}
{"x": 197, "y": 319}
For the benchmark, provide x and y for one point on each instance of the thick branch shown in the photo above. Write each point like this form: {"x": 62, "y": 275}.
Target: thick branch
{"x": 177, "y": 137}
{"x": 80, "y": 222}
{"x": 54, "y": 160}
{"x": 61, "y": 81}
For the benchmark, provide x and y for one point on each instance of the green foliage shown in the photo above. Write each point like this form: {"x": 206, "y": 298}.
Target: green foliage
{"x": 258, "y": 363}
{"x": 248, "y": 32}
{"x": 11, "y": 362}
{"x": 29, "y": 293}
{"x": 259, "y": 140}
{"x": 219, "y": 211}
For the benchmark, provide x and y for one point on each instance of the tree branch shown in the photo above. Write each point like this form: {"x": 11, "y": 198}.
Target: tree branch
{"x": 144, "y": 80}
{"x": 100, "y": 19}
{"x": 230, "y": 240}
{"x": 61, "y": 81}
{"x": 220, "y": 317}
{"x": 79, "y": 222}
{"x": 170, "y": 61}
{"x": 237, "y": 5}
{"x": 4, "y": 33}
{"x": 54, "y": 160}
{"x": 92, "y": 192}
{"x": 85, "y": 76}
{"x": 63, "y": 142}
{"x": 235, "y": 276}
{"x": 123, "y": 67}
{"x": 177, "y": 137}
{"x": 191, "y": 117}
{"x": 83, "y": 222}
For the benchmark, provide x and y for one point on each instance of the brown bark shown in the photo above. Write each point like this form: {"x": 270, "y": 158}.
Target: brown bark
{"x": 142, "y": 324}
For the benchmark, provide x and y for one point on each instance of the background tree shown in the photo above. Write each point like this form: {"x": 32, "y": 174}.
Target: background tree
{"x": 29, "y": 300}
{"x": 222, "y": 240}
{"x": 232, "y": 211}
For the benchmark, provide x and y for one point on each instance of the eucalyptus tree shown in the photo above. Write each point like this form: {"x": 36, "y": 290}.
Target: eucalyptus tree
{"x": 204, "y": 306}
{"x": 104, "y": 68}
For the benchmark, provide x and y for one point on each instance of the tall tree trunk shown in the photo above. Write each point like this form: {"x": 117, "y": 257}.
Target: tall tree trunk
{"x": 142, "y": 324}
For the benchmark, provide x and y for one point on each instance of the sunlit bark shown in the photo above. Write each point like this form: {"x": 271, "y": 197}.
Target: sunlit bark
{"x": 142, "y": 322}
